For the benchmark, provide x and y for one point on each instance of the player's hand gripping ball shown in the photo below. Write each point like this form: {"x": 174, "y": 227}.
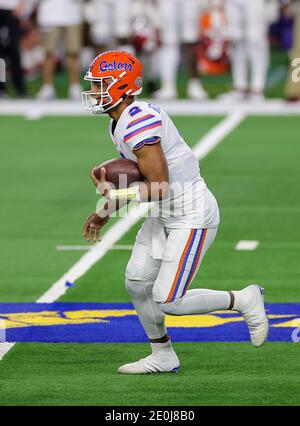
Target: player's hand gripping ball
{"x": 115, "y": 174}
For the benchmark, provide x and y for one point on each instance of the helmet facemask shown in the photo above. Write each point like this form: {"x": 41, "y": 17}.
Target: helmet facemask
{"x": 98, "y": 102}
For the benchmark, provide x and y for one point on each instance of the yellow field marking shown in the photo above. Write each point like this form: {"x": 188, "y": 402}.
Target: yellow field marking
{"x": 50, "y": 318}
{"x": 295, "y": 323}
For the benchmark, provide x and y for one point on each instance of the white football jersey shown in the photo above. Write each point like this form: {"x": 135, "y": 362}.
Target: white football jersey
{"x": 191, "y": 204}
{"x": 59, "y": 13}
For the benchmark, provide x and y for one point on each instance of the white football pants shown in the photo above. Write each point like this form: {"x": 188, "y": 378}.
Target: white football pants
{"x": 109, "y": 18}
{"x": 160, "y": 286}
{"x": 247, "y": 30}
{"x": 179, "y": 21}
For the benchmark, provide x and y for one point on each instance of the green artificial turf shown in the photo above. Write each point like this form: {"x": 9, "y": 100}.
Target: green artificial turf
{"x": 211, "y": 374}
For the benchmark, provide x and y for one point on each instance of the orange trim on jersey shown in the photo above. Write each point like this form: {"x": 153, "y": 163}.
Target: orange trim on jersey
{"x": 174, "y": 285}
{"x": 196, "y": 261}
{"x": 144, "y": 117}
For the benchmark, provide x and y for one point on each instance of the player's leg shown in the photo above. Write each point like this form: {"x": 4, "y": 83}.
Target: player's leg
{"x": 73, "y": 44}
{"x": 257, "y": 46}
{"x": 122, "y": 20}
{"x": 99, "y": 16}
{"x": 182, "y": 258}
{"x": 190, "y": 12}
{"x": 168, "y": 55}
{"x": 235, "y": 13}
{"x": 17, "y": 74}
{"x": 239, "y": 66}
{"x": 50, "y": 37}
{"x": 141, "y": 273}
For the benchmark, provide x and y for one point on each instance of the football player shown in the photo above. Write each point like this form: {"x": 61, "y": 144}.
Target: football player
{"x": 248, "y": 24}
{"x": 171, "y": 243}
{"x": 179, "y": 24}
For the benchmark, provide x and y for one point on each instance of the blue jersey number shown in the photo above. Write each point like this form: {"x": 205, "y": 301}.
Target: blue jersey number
{"x": 135, "y": 110}
{"x": 155, "y": 107}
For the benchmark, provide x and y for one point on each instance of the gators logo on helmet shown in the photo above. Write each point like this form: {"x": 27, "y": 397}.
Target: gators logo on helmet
{"x": 116, "y": 75}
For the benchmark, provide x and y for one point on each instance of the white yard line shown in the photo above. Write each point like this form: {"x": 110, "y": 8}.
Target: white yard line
{"x": 74, "y": 248}
{"x": 123, "y": 225}
{"x": 217, "y": 134}
{"x": 33, "y": 109}
{"x": 247, "y": 245}
{"x": 122, "y": 247}
{"x": 88, "y": 248}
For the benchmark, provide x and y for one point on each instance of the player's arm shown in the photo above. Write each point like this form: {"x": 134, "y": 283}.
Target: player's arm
{"x": 98, "y": 219}
{"x": 95, "y": 221}
{"x": 153, "y": 166}
{"x": 93, "y": 225}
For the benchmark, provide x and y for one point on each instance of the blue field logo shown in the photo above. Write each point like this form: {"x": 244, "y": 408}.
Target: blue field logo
{"x": 118, "y": 322}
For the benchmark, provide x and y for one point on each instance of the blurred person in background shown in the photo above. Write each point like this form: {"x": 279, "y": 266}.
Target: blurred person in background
{"x": 32, "y": 55}
{"x": 179, "y": 21}
{"x": 61, "y": 18}
{"x": 281, "y": 31}
{"x": 213, "y": 56}
{"x": 10, "y": 13}
{"x": 248, "y": 24}
{"x": 292, "y": 89}
{"x": 110, "y": 24}
{"x": 145, "y": 39}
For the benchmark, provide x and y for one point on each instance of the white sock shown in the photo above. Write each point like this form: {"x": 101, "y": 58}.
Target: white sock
{"x": 239, "y": 65}
{"x": 169, "y": 59}
{"x": 161, "y": 347}
{"x": 198, "y": 301}
{"x": 258, "y": 53}
{"x": 239, "y": 300}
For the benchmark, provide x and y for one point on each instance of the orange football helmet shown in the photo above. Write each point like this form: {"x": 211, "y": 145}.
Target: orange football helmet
{"x": 117, "y": 74}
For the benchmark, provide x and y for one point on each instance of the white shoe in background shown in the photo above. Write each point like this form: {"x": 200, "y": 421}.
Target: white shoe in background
{"x": 195, "y": 90}
{"x": 232, "y": 97}
{"x": 162, "y": 360}
{"x": 46, "y": 93}
{"x": 165, "y": 94}
{"x": 250, "y": 303}
{"x": 75, "y": 92}
{"x": 256, "y": 97}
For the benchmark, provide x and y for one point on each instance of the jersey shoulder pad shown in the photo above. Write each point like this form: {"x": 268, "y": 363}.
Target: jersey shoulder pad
{"x": 143, "y": 122}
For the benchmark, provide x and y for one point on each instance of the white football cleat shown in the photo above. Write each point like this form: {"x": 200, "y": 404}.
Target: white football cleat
{"x": 250, "y": 303}
{"x": 256, "y": 98}
{"x": 46, "y": 93}
{"x": 195, "y": 90}
{"x": 75, "y": 92}
{"x": 162, "y": 361}
{"x": 165, "y": 94}
{"x": 232, "y": 97}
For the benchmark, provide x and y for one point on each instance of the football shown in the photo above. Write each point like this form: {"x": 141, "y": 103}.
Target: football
{"x": 121, "y": 172}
